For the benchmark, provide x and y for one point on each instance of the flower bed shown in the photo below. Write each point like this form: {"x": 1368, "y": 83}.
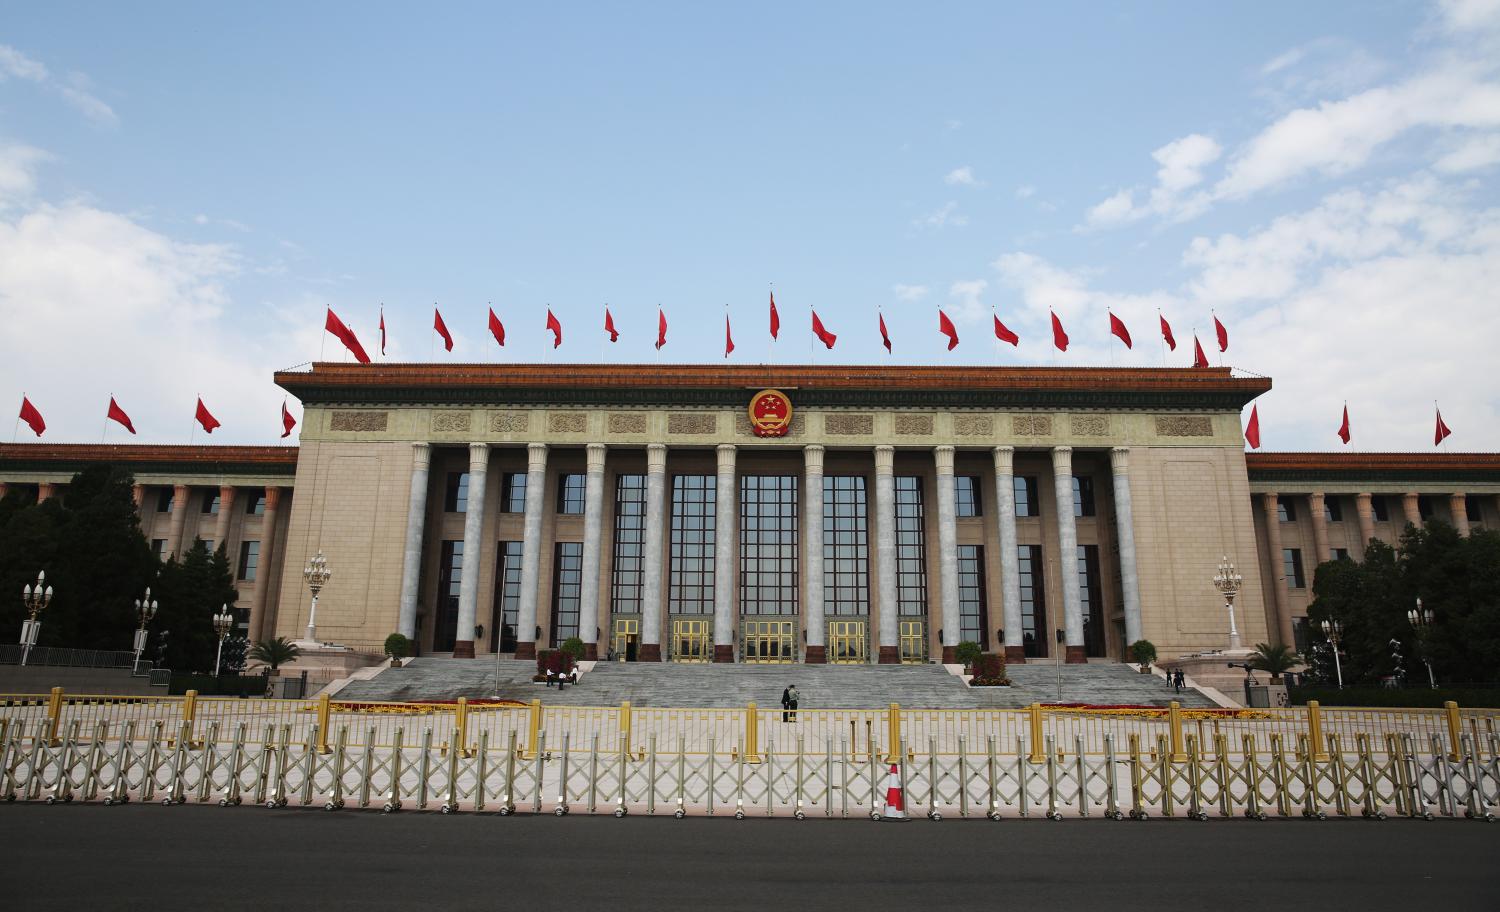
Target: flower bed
{"x": 1140, "y": 711}
{"x": 415, "y": 707}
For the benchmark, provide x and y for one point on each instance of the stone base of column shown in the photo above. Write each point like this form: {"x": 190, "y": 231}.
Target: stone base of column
{"x": 1015, "y": 655}
{"x": 1075, "y": 656}
{"x": 723, "y": 652}
{"x": 816, "y": 655}
{"x": 463, "y": 649}
{"x": 526, "y": 650}
{"x": 591, "y": 652}
{"x": 890, "y": 655}
{"x": 649, "y": 652}
{"x": 950, "y": 655}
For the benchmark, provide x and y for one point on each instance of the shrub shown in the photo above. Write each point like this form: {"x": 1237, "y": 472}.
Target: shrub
{"x": 989, "y": 670}
{"x": 554, "y": 660}
{"x": 1143, "y": 652}
{"x": 967, "y": 653}
{"x": 1385, "y": 696}
{"x": 397, "y": 646}
{"x": 573, "y": 646}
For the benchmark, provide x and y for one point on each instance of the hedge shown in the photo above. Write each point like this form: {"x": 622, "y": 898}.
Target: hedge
{"x": 1386, "y": 696}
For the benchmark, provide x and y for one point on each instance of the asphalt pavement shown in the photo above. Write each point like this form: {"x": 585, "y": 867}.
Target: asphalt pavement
{"x": 208, "y": 858}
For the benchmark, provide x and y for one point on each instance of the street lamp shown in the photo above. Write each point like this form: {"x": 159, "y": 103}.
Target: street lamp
{"x": 35, "y": 598}
{"x": 1421, "y": 622}
{"x": 1333, "y": 630}
{"x": 223, "y": 624}
{"x": 1228, "y": 581}
{"x": 145, "y": 610}
{"x": 317, "y": 574}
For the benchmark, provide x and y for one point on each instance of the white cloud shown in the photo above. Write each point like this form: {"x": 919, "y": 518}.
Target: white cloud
{"x": 1118, "y": 208}
{"x": 16, "y": 64}
{"x": 909, "y": 293}
{"x": 1470, "y": 15}
{"x": 18, "y": 173}
{"x": 75, "y": 90}
{"x": 1181, "y": 164}
{"x": 965, "y": 295}
{"x": 1025, "y": 191}
{"x": 963, "y": 176}
{"x": 1472, "y": 154}
{"x": 941, "y": 217}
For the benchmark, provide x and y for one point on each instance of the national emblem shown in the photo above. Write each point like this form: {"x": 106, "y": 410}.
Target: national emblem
{"x": 770, "y": 413}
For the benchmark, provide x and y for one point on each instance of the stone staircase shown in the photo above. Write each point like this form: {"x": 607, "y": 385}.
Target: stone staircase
{"x": 821, "y": 686}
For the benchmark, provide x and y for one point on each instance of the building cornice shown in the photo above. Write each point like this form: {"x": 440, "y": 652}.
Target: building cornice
{"x": 196, "y": 460}
{"x": 1373, "y": 467}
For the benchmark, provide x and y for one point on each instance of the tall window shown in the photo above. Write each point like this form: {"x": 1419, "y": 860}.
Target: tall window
{"x": 1338, "y": 554}
{"x": 692, "y": 557}
{"x": 567, "y": 585}
{"x": 456, "y": 493}
{"x": 210, "y": 505}
{"x": 768, "y": 544}
{"x": 255, "y": 504}
{"x": 1286, "y": 509}
{"x": 630, "y": 544}
{"x": 1472, "y": 509}
{"x": 1027, "y": 503}
{"x": 159, "y": 548}
{"x": 911, "y": 548}
{"x": 165, "y": 499}
{"x": 1291, "y": 559}
{"x": 513, "y": 492}
{"x": 1378, "y": 507}
{"x": 1083, "y": 495}
{"x": 1333, "y": 510}
{"x": 570, "y": 494}
{"x": 1035, "y": 635}
{"x": 1424, "y": 506}
{"x": 249, "y": 560}
{"x": 967, "y": 501}
{"x": 450, "y": 575}
{"x": 972, "y": 623}
{"x": 1093, "y": 600}
{"x": 507, "y": 610}
{"x": 846, "y": 546}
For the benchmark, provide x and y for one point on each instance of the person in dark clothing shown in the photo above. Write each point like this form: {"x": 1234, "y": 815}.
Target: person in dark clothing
{"x": 786, "y": 704}
{"x": 792, "y": 698}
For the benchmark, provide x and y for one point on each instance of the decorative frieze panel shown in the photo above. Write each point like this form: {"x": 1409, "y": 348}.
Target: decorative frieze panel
{"x": 452, "y": 422}
{"x": 567, "y": 422}
{"x": 840, "y": 424}
{"x": 1184, "y": 426}
{"x": 797, "y": 428}
{"x": 1031, "y": 425}
{"x": 699, "y": 423}
{"x": 510, "y": 422}
{"x": 1089, "y": 425}
{"x": 914, "y": 425}
{"x": 973, "y": 425}
{"x": 358, "y": 421}
{"x": 626, "y": 423}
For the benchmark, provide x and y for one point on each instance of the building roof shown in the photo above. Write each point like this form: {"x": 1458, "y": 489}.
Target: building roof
{"x": 208, "y": 459}
{"x": 959, "y": 386}
{"x": 1449, "y": 467}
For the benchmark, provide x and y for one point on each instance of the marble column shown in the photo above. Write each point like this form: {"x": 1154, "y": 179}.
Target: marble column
{"x": 137, "y": 493}
{"x": 885, "y": 555}
{"x": 531, "y": 554}
{"x": 726, "y": 518}
{"x": 1067, "y": 554}
{"x": 1458, "y": 505}
{"x": 179, "y": 519}
{"x": 468, "y": 583}
{"x": 259, "y": 629}
{"x": 45, "y": 491}
{"x": 1316, "y": 505}
{"x": 221, "y": 526}
{"x": 653, "y": 594}
{"x": 1130, "y": 580}
{"x": 5, "y": 489}
{"x": 947, "y": 552}
{"x": 411, "y": 556}
{"x": 1364, "y": 508}
{"x": 1412, "y": 508}
{"x": 1010, "y": 563}
{"x": 593, "y": 541}
{"x": 1268, "y": 506}
{"x": 812, "y": 554}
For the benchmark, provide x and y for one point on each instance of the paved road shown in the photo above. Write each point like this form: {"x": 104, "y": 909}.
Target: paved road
{"x": 197, "y": 858}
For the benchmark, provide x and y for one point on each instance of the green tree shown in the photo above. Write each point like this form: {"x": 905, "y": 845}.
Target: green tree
{"x": 191, "y": 593}
{"x": 1273, "y": 660}
{"x": 275, "y": 652}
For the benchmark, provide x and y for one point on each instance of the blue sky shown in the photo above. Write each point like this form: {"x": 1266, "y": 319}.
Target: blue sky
{"x": 201, "y": 181}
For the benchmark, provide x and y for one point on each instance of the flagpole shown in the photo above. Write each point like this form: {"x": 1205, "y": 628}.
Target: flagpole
{"x": 601, "y": 335}
{"x": 432, "y": 339}
{"x": 193, "y": 428}
{"x": 1161, "y": 340}
{"x": 15, "y": 432}
{"x": 105, "y": 430}
{"x": 770, "y": 340}
{"x": 323, "y": 336}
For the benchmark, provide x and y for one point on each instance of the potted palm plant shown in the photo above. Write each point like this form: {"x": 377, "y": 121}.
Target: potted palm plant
{"x": 1273, "y": 660}
{"x": 275, "y": 653}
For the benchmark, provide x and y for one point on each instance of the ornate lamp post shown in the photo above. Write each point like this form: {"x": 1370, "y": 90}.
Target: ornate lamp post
{"x": 1229, "y": 581}
{"x": 1421, "y": 622}
{"x": 36, "y": 598}
{"x": 223, "y": 624}
{"x": 145, "y": 610}
{"x": 317, "y": 575}
{"x": 1333, "y": 630}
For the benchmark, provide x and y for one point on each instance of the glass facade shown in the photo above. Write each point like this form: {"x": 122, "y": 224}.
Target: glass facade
{"x": 249, "y": 560}
{"x": 1291, "y": 559}
{"x": 768, "y": 544}
{"x": 507, "y": 608}
{"x": 567, "y": 584}
{"x": 911, "y": 548}
{"x": 692, "y": 545}
{"x": 1035, "y": 634}
{"x": 967, "y": 501}
{"x": 846, "y": 546}
{"x": 1092, "y": 600}
{"x": 513, "y": 492}
{"x": 973, "y": 625}
{"x": 570, "y": 494}
{"x": 630, "y": 544}
{"x": 1083, "y": 495}
{"x": 1027, "y": 502}
{"x": 456, "y": 493}
{"x": 450, "y": 575}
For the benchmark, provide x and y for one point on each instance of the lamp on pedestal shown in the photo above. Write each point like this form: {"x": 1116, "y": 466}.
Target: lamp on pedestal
{"x": 317, "y": 575}
{"x": 145, "y": 610}
{"x": 223, "y": 624}
{"x": 1229, "y": 581}
{"x": 36, "y": 598}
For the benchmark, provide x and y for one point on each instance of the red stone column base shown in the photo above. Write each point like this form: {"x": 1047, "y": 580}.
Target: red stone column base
{"x": 1015, "y": 655}
{"x": 526, "y": 650}
{"x": 1075, "y": 656}
{"x": 649, "y": 652}
{"x": 463, "y": 649}
{"x": 950, "y": 655}
{"x": 816, "y": 655}
{"x": 890, "y": 655}
{"x": 723, "y": 652}
{"x": 591, "y": 652}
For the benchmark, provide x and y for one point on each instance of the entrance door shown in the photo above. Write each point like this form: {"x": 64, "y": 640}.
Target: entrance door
{"x": 627, "y": 638}
{"x": 769, "y": 641}
{"x": 690, "y": 640}
{"x": 913, "y": 642}
{"x": 848, "y": 643}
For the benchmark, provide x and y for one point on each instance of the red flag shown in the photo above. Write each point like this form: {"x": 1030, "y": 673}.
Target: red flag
{"x": 1199, "y": 358}
{"x": 1117, "y": 328}
{"x": 116, "y": 413}
{"x": 1059, "y": 338}
{"x": 1222, "y": 333}
{"x": 287, "y": 422}
{"x": 728, "y": 337}
{"x": 442, "y": 328}
{"x": 497, "y": 329}
{"x": 32, "y": 417}
{"x": 1004, "y": 334}
{"x": 382, "y": 329}
{"x": 661, "y": 328}
{"x": 1252, "y": 430}
{"x": 946, "y": 327}
{"x": 885, "y": 337}
{"x": 345, "y": 335}
{"x": 1344, "y": 427}
{"x": 775, "y": 318}
{"x": 206, "y": 419}
{"x": 1166, "y": 333}
{"x": 819, "y": 330}
{"x": 555, "y": 327}
{"x": 609, "y": 325}
{"x": 1442, "y": 429}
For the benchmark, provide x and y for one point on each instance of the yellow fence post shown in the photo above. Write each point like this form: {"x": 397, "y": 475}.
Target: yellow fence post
{"x": 893, "y": 733}
{"x": 533, "y": 729}
{"x": 324, "y": 711}
{"x": 625, "y": 721}
{"x": 54, "y": 714}
{"x": 1034, "y": 713}
{"x": 461, "y": 726}
{"x": 1315, "y": 730}
{"x": 1455, "y": 727}
{"x": 1174, "y": 726}
{"x": 752, "y": 734}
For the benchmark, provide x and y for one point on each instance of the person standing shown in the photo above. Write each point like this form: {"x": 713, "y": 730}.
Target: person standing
{"x": 786, "y": 704}
{"x": 792, "y": 698}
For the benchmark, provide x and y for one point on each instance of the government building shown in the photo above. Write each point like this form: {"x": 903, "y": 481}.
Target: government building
{"x": 775, "y": 513}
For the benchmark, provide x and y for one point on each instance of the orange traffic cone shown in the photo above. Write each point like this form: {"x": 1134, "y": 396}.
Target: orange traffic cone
{"x": 895, "y": 797}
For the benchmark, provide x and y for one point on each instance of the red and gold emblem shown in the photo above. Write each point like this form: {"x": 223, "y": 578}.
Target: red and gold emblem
{"x": 770, "y": 413}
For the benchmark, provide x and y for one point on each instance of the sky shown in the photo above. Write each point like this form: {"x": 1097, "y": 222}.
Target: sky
{"x": 184, "y": 189}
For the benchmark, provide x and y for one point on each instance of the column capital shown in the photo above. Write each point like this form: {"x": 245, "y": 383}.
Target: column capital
{"x": 1269, "y": 500}
{"x": 656, "y": 457}
{"x": 479, "y": 457}
{"x": 226, "y": 492}
{"x": 536, "y": 457}
{"x": 885, "y": 460}
{"x": 812, "y": 457}
{"x": 943, "y": 455}
{"x": 1062, "y": 459}
{"x": 1119, "y": 460}
{"x": 421, "y": 453}
{"x": 726, "y": 453}
{"x": 595, "y": 452}
{"x": 1318, "y": 495}
{"x": 1005, "y": 460}
{"x": 273, "y": 498}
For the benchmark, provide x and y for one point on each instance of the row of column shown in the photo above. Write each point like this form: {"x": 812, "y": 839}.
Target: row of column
{"x": 884, "y": 522}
